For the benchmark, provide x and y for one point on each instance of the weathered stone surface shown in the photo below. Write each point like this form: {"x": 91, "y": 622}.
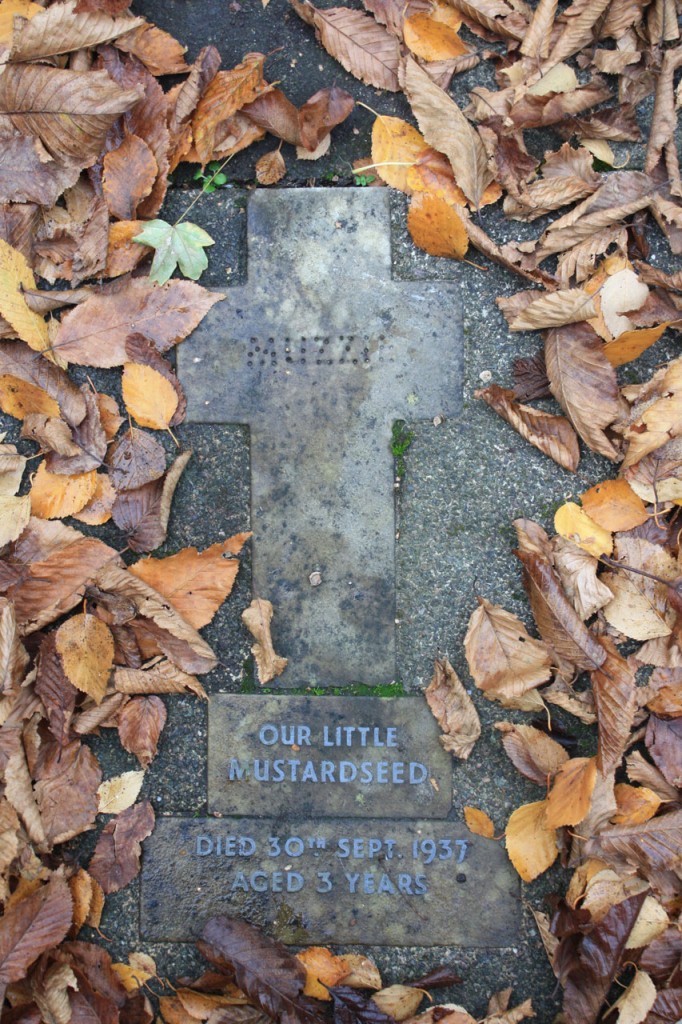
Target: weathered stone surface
{"x": 375, "y": 882}
{"x": 338, "y": 756}
{"x": 319, "y": 353}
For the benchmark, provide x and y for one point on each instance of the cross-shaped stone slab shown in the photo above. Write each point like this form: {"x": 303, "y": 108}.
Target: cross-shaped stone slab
{"x": 320, "y": 353}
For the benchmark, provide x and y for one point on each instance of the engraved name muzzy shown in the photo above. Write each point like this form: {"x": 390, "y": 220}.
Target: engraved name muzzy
{"x": 401, "y": 864}
{"x": 319, "y": 350}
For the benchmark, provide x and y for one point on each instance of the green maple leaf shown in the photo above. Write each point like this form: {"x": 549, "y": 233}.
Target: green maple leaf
{"x": 177, "y": 245}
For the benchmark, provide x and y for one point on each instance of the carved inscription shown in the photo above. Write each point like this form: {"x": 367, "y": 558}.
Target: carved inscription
{"x": 375, "y": 882}
{"x": 359, "y": 756}
{"x": 277, "y": 353}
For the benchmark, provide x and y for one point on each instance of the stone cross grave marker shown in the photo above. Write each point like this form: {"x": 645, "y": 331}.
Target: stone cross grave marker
{"x": 320, "y": 353}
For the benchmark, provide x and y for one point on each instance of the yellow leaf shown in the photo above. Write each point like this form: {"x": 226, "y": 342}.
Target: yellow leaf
{"x": 573, "y": 523}
{"x": 140, "y": 969}
{"x": 115, "y": 795}
{"x": 321, "y": 968}
{"x": 479, "y": 823}
{"x": 19, "y": 397}
{"x": 636, "y": 804}
{"x": 396, "y": 146}
{"x": 98, "y": 509}
{"x": 86, "y": 650}
{"x": 531, "y": 843}
{"x": 9, "y": 9}
{"x": 364, "y": 973}
{"x": 149, "y": 397}
{"x": 56, "y": 495}
{"x": 15, "y": 513}
{"x": 195, "y": 582}
{"x": 630, "y": 344}
{"x": 651, "y": 922}
{"x": 614, "y": 506}
{"x": 571, "y": 795}
{"x": 16, "y": 275}
{"x": 431, "y": 39}
{"x": 436, "y": 227}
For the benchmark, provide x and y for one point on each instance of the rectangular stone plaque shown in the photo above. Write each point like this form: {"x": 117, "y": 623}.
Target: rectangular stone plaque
{"x": 319, "y": 353}
{"x": 337, "y": 756}
{"x": 373, "y": 882}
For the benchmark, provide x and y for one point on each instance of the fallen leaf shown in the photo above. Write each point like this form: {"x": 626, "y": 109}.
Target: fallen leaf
{"x": 16, "y": 276}
{"x": 270, "y": 168}
{"x": 51, "y": 389}
{"x": 453, "y": 709}
{"x": 175, "y": 245}
{"x": 143, "y": 513}
{"x": 56, "y": 495}
{"x": 129, "y": 173}
{"x": 160, "y": 53}
{"x": 149, "y": 398}
{"x": 33, "y": 925}
{"x": 554, "y": 309}
{"x": 531, "y": 843}
{"x": 436, "y": 227}
{"x": 135, "y": 460}
{"x": 119, "y": 793}
{"x": 614, "y": 506}
{"x": 573, "y": 523}
{"x": 116, "y": 860}
{"x": 140, "y": 969}
{"x": 196, "y": 583}
{"x": 140, "y": 724}
{"x": 66, "y": 790}
{"x": 445, "y": 127}
{"x": 257, "y": 618}
{"x": 396, "y": 147}
{"x": 634, "y": 1004}
{"x": 430, "y": 39}
{"x": 653, "y": 845}
{"x": 86, "y": 650}
{"x": 364, "y": 973}
{"x": 636, "y": 804}
{"x": 163, "y": 677}
{"x": 552, "y": 435}
{"x": 570, "y": 796}
{"x": 621, "y": 293}
{"x": 479, "y": 822}
{"x": 226, "y": 93}
{"x": 504, "y": 660}
{"x": 362, "y": 46}
{"x": 578, "y": 573}
{"x": 398, "y": 1001}
{"x": 535, "y": 754}
{"x": 631, "y": 344}
{"x": 98, "y": 509}
{"x": 95, "y": 332}
{"x": 322, "y": 970}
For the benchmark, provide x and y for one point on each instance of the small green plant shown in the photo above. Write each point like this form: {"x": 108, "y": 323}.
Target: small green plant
{"x": 211, "y": 177}
{"x": 364, "y": 179}
{"x": 401, "y": 440}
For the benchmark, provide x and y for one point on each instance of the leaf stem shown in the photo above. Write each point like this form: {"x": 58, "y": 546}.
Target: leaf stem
{"x": 203, "y": 189}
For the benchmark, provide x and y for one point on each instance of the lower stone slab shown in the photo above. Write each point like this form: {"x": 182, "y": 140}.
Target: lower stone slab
{"x": 371, "y": 882}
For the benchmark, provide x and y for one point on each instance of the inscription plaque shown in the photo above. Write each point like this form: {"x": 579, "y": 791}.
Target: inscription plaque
{"x": 319, "y": 353}
{"x": 375, "y": 882}
{"x": 346, "y": 756}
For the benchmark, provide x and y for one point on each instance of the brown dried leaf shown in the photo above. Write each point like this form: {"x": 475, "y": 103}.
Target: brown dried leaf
{"x": 584, "y": 384}
{"x": 552, "y": 435}
{"x": 571, "y": 794}
{"x": 445, "y": 127}
{"x": 614, "y": 689}
{"x": 453, "y": 709}
{"x": 504, "y": 660}
{"x": 143, "y": 513}
{"x": 86, "y": 649}
{"x": 69, "y": 111}
{"x": 33, "y": 925}
{"x": 163, "y": 677}
{"x": 535, "y": 754}
{"x": 578, "y": 573}
{"x": 135, "y": 460}
{"x": 55, "y": 691}
{"x": 362, "y": 46}
{"x": 129, "y": 173}
{"x": 226, "y": 94}
{"x": 140, "y": 723}
{"x": 116, "y": 860}
{"x": 257, "y": 618}
{"x": 159, "y": 51}
{"x": 66, "y": 790}
{"x": 196, "y": 583}
{"x": 651, "y": 846}
{"x": 95, "y": 332}
{"x": 398, "y": 1001}
{"x": 58, "y": 392}
{"x": 270, "y": 168}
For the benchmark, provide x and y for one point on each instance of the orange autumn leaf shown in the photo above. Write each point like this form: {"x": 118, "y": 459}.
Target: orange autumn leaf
{"x": 571, "y": 795}
{"x": 479, "y": 823}
{"x": 630, "y": 344}
{"x": 56, "y": 495}
{"x": 149, "y": 397}
{"x": 86, "y": 650}
{"x": 431, "y": 39}
{"x": 636, "y": 804}
{"x": 531, "y": 843}
{"x": 322, "y": 971}
{"x": 226, "y": 94}
{"x": 98, "y": 509}
{"x": 123, "y": 254}
{"x": 396, "y": 146}
{"x": 573, "y": 523}
{"x": 20, "y": 398}
{"x": 195, "y": 582}
{"x": 614, "y": 506}
{"x": 436, "y": 227}
{"x": 270, "y": 168}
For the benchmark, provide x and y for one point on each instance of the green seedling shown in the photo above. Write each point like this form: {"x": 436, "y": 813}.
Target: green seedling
{"x": 211, "y": 177}
{"x": 401, "y": 440}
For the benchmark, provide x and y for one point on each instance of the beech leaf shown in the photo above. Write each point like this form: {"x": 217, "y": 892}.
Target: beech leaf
{"x": 453, "y": 709}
